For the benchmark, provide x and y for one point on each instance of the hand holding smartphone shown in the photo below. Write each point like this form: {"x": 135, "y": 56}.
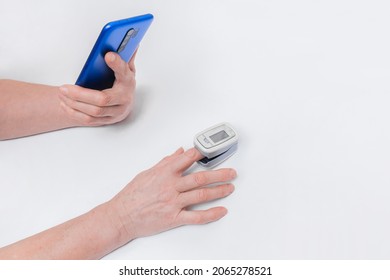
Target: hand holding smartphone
{"x": 121, "y": 36}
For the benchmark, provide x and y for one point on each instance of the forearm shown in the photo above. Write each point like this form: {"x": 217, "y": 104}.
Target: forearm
{"x": 90, "y": 236}
{"x": 27, "y": 109}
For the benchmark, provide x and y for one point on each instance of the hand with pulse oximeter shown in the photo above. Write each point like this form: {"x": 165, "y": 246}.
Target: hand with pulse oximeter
{"x": 156, "y": 200}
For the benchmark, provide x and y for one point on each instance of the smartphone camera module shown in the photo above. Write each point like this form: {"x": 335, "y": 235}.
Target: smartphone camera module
{"x": 130, "y": 34}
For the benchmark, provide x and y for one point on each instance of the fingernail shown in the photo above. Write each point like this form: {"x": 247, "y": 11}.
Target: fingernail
{"x": 233, "y": 173}
{"x": 111, "y": 57}
{"x": 232, "y": 188}
{"x": 225, "y": 211}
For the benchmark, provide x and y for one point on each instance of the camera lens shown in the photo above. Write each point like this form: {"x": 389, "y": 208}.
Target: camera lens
{"x": 130, "y": 32}
{"x": 121, "y": 48}
{"x": 126, "y": 39}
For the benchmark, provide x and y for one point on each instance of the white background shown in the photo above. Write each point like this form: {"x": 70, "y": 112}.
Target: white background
{"x": 305, "y": 83}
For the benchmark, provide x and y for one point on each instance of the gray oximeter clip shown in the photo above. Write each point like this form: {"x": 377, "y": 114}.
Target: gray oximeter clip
{"x": 216, "y": 143}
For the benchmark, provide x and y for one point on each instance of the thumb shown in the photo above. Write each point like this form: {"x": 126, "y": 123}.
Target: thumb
{"x": 119, "y": 66}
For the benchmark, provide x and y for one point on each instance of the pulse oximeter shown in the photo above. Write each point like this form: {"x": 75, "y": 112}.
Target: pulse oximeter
{"x": 216, "y": 143}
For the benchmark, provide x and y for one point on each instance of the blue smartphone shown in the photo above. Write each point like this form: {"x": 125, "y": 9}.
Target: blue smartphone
{"x": 121, "y": 36}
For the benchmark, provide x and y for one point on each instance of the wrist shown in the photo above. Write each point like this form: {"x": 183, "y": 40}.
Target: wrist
{"x": 118, "y": 222}
{"x": 105, "y": 231}
{"x": 65, "y": 117}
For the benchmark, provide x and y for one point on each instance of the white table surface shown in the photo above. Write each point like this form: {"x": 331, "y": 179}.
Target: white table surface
{"x": 305, "y": 83}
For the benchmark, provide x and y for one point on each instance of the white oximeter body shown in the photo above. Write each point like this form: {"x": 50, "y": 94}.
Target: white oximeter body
{"x": 216, "y": 143}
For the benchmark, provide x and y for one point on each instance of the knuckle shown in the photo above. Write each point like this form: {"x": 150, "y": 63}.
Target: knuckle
{"x": 74, "y": 93}
{"x": 104, "y": 99}
{"x": 126, "y": 96}
{"x": 99, "y": 111}
{"x": 203, "y": 195}
{"x": 70, "y": 102}
{"x": 88, "y": 120}
{"x": 200, "y": 178}
{"x": 128, "y": 81}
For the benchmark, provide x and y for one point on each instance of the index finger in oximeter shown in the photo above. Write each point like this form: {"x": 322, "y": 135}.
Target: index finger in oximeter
{"x": 216, "y": 143}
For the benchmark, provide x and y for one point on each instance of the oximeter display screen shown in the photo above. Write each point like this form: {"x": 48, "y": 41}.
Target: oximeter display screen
{"x": 219, "y": 136}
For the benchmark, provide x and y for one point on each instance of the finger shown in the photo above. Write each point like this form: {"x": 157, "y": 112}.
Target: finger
{"x": 92, "y": 110}
{"x": 185, "y": 160}
{"x": 204, "y": 178}
{"x": 84, "y": 119}
{"x": 178, "y": 151}
{"x": 120, "y": 67}
{"x": 199, "y": 217}
{"x": 167, "y": 159}
{"x": 205, "y": 194}
{"x": 89, "y": 96}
